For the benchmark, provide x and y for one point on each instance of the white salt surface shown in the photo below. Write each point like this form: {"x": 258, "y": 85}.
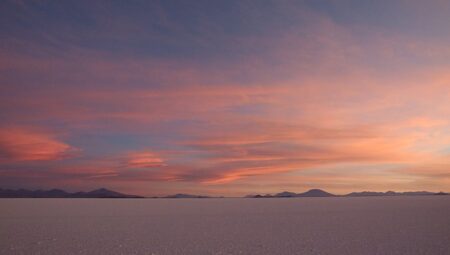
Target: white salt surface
{"x": 371, "y": 225}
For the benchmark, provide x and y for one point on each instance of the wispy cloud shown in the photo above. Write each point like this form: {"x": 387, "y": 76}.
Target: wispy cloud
{"x": 19, "y": 144}
{"x": 144, "y": 159}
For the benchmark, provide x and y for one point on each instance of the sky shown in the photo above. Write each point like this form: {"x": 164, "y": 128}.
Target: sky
{"x": 225, "y": 97}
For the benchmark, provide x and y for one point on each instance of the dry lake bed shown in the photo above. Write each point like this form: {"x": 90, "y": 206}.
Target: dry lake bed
{"x": 368, "y": 225}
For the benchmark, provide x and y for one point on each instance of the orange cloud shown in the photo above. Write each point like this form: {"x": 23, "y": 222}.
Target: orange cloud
{"x": 437, "y": 167}
{"x": 18, "y": 144}
{"x": 278, "y": 148}
{"x": 144, "y": 159}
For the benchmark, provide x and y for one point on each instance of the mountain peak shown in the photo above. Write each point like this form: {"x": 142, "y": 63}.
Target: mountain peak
{"x": 102, "y": 190}
{"x": 315, "y": 193}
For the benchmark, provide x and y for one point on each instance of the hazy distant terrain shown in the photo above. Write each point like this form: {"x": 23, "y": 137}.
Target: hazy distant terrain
{"x": 106, "y": 193}
{"x": 58, "y": 193}
{"x": 343, "y": 225}
{"x": 322, "y": 193}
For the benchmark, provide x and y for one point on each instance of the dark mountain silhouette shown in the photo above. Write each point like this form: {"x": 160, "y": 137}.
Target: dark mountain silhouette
{"x": 315, "y": 193}
{"x": 321, "y": 193}
{"x": 309, "y": 193}
{"x": 389, "y": 193}
{"x": 185, "y": 196}
{"x": 24, "y": 193}
{"x": 285, "y": 194}
{"x": 57, "y": 193}
{"x": 366, "y": 194}
{"x": 258, "y": 196}
{"x": 105, "y": 193}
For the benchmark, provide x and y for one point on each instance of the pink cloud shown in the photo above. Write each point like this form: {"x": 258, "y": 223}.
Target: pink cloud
{"x": 17, "y": 144}
{"x": 144, "y": 159}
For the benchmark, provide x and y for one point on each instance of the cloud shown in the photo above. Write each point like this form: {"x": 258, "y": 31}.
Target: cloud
{"x": 264, "y": 150}
{"x": 18, "y": 144}
{"x": 144, "y": 159}
{"x": 436, "y": 167}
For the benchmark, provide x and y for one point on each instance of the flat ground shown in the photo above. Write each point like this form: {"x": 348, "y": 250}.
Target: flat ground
{"x": 370, "y": 225}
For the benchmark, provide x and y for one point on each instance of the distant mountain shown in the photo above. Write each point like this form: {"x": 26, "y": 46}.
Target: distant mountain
{"x": 103, "y": 193}
{"x": 417, "y": 193}
{"x": 315, "y": 193}
{"x": 367, "y": 194}
{"x": 258, "y": 196}
{"x": 185, "y": 196}
{"x": 321, "y": 193}
{"x": 285, "y": 194}
{"x": 389, "y": 193}
{"x": 309, "y": 193}
{"x": 19, "y": 193}
{"x": 57, "y": 193}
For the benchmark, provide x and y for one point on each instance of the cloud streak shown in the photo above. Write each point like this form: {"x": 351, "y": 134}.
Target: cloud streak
{"x": 17, "y": 144}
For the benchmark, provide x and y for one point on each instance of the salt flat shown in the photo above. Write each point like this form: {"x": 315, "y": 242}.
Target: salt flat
{"x": 369, "y": 225}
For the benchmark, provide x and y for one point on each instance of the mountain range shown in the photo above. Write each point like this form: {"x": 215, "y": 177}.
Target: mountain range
{"x": 58, "y": 193}
{"x": 106, "y": 193}
{"x": 321, "y": 193}
{"x": 389, "y": 193}
{"x": 309, "y": 193}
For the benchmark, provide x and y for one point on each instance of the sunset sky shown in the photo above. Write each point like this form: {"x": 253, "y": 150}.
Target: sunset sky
{"x": 225, "y": 97}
